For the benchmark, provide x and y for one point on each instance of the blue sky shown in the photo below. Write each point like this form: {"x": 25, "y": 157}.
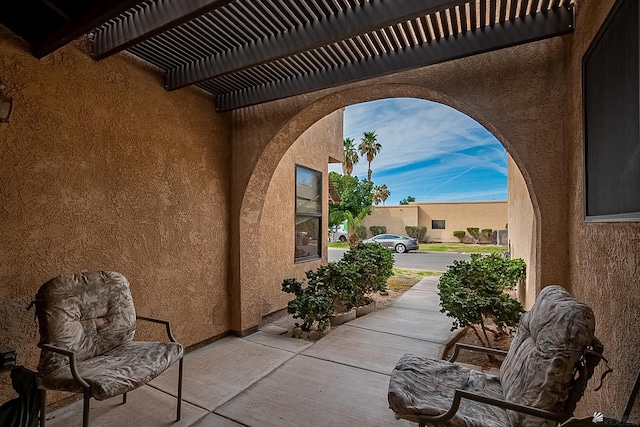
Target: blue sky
{"x": 429, "y": 151}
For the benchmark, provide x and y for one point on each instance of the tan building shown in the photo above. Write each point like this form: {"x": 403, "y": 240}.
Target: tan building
{"x": 440, "y": 218}
{"x": 104, "y": 169}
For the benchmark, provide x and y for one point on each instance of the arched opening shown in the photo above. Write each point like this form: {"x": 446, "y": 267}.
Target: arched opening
{"x": 248, "y": 287}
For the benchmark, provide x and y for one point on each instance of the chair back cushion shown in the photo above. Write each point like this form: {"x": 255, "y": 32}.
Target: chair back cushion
{"x": 87, "y": 313}
{"x": 550, "y": 340}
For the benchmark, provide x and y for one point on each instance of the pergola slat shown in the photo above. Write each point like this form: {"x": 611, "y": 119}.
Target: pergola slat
{"x": 369, "y": 17}
{"x": 145, "y": 23}
{"x": 510, "y": 33}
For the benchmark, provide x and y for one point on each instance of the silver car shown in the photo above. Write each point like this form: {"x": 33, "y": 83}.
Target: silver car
{"x": 396, "y": 242}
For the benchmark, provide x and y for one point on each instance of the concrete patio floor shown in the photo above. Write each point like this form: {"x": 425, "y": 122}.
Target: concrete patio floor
{"x": 267, "y": 379}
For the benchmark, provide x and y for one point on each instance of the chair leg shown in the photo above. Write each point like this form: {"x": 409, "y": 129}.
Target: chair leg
{"x": 179, "y": 412}
{"x": 43, "y": 407}
{"x": 85, "y": 409}
{"x": 124, "y": 398}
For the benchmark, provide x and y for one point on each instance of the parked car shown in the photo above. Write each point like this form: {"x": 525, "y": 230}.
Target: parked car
{"x": 338, "y": 234}
{"x": 396, "y": 242}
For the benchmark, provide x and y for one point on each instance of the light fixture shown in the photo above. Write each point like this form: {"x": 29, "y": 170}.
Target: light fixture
{"x": 5, "y": 108}
{"x": 5, "y": 104}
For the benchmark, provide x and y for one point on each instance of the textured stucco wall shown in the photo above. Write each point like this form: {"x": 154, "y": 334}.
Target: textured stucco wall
{"x": 522, "y": 231}
{"x": 604, "y": 257}
{"x": 103, "y": 169}
{"x": 395, "y": 218}
{"x": 457, "y": 216}
{"x": 277, "y": 224}
{"x": 512, "y": 92}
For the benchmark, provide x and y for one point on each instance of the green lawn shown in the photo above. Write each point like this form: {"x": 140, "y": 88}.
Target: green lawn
{"x": 444, "y": 247}
{"x": 462, "y": 247}
{"x": 403, "y": 279}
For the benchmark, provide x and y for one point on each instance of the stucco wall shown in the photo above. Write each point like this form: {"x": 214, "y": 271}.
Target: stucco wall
{"x": 277, "y": 225}
{"x": 457, "y": 216}
{"x": 395, "y": 218}
{"x": 522, "y": 231}
{"x": 104, "y": 169}
{"x": 604, "y": 257}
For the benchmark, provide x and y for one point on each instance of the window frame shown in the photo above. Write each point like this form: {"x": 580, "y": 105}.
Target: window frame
{"x": 319, "y": 215}
{"x": 443, "y": 221}
{"x": 589, "y": 101}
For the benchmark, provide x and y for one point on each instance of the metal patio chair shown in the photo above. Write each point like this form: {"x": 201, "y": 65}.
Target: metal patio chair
{"x": 87, "y": 322}
{"x": 543, "y": 376}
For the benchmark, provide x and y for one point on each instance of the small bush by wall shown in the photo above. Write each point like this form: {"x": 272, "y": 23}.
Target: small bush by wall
{"x": 475, "y": 233}
{"x": 361, "y": 232}
{"x": 417, "y": 232}
{"x": 459, "y": 234}
{"x": 378, "y": 229}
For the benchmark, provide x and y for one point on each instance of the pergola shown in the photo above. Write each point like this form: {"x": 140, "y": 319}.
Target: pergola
{"x": 246, "y": 52}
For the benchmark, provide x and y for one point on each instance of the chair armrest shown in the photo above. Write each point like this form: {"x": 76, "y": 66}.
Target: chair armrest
{"x": 162, "y": 322}
{"x": 460, "y": 346}
{"x": 72, "y": 362}
{"x": 461, "y": 394}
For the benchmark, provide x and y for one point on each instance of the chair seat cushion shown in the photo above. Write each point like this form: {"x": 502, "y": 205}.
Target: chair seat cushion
{"x": 119, "y": 370}
{"x": 423, "y": 386}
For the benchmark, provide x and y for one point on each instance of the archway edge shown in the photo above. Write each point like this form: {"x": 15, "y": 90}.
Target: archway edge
{"x": 287, "y": 134}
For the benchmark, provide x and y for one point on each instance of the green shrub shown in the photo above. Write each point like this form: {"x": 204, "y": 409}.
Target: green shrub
{"x": 417, "y": 232}
{"x": 362, "y": 270}
{"x": 459, "y": 234}
{"x": 472, "y": 292}
{"x": 487, "y": 233}
{"x": 373, "y": 265}
{"x": 361, "y": 232}
{"x": 474, "y": 232}
{"x": 377, "y": 229}
{"x": 313, "y": 303}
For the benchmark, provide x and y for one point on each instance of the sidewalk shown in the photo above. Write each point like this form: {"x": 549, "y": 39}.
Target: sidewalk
{"x": 267, "y": 379}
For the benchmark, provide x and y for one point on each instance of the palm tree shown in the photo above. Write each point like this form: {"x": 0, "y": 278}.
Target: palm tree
{"x": 380, "y": 194}
{"x": 350, "y": 156}
{"x": 369, "y": 147}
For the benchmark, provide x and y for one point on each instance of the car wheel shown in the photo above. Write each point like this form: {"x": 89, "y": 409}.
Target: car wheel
{"x": 342, "y": 238}
{"x": 400, "y": 248}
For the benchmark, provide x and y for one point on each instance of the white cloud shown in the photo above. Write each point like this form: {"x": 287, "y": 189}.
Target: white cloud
{"x": 425, "y": 144}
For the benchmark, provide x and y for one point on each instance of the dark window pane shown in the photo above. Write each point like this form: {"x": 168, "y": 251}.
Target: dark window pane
{"x": 308, "y": 191}
{"x": 611, "y": 111}
{"x": 307, "y": 236}
{"x": 437, "y": 224}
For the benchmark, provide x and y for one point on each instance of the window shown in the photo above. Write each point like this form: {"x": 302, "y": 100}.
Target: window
{"x": 437, "y": 224}
{"x": 611, "y": 89}
{"x": 308, "y": 214}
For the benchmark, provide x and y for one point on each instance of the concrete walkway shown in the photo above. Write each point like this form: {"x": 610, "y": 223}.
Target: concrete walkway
{"x": 267, "y": 379}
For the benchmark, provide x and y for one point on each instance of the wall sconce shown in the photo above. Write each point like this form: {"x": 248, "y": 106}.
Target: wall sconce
{"x": 5, "y": 108}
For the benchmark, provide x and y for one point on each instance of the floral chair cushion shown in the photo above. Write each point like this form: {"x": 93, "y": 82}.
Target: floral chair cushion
{"x": 87, "y": 313}
{"x": 550, "y": 340}
{"x": 537, "y": 371}
{"x": 423, "y": 386}
{"x": 119, "y": 370}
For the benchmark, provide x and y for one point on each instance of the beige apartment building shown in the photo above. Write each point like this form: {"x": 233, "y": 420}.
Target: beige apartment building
{"x": 441, "y": 218}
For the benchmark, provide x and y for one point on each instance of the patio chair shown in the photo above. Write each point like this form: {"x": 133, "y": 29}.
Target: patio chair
{"x": 542, "y": 377}
{"x": 87, "y": 322}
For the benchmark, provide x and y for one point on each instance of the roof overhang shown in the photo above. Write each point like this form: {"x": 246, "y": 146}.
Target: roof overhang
{"x": 246, "y": 52}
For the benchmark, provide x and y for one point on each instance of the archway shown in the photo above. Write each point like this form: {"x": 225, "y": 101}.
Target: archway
{"x": 249, "y": 283}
